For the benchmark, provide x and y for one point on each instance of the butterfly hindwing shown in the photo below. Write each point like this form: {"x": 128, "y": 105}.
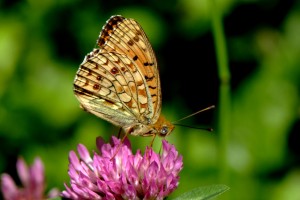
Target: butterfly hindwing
{"x": 111, "y": 86}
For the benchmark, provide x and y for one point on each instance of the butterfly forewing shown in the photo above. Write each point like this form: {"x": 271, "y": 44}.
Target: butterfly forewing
{"x": 125, "y": 36}
{"x": 119, "y": 81}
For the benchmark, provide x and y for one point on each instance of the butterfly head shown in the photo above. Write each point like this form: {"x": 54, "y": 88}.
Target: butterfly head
{"x": 163, "y": 127}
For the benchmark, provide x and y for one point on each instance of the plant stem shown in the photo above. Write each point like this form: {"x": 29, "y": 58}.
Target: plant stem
{"x": 224, "y": 115}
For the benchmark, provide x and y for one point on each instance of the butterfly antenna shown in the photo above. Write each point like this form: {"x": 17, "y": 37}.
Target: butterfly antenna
{"x": 199, "y": 128}
{"x": 205, "y": 109}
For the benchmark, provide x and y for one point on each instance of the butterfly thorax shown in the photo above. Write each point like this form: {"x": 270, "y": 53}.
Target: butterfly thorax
{"x": 161, "y": 127}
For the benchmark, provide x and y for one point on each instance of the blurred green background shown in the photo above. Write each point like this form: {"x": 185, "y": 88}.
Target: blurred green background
{"x": 255, "y": 146}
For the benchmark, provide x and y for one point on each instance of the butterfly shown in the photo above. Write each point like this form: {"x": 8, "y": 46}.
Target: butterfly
{"x": 119, "y": 80}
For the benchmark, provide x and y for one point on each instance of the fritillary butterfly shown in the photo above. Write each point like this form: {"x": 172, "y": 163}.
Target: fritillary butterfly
{"x": 119, "y": 81}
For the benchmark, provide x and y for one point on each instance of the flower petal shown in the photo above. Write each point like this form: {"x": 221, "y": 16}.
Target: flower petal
{"x": 37, "y": 179}
{"x": 116, "y": 173}
{"x": 84, "y": 155}
{"x": 23, "y": 171}
{"x": 8, "y": 187}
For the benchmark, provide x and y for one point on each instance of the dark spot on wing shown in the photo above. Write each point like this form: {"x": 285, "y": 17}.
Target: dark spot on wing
{"x": 96, "y": 87}
{"x": 130, "y": 42}
{"x": 148, "y": 78}
{"x": 136, "y": 38}
{"x": 114, "y": 70}
{"x": 99, "y": 77}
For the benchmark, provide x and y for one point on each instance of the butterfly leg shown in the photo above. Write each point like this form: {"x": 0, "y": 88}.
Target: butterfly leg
{"x": 154, "y": 135}
{"x": 122, "y": 140}
{"x": 119, "y": 134}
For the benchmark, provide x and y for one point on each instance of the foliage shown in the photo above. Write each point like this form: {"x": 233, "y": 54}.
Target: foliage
{"x": 42, "y": 44}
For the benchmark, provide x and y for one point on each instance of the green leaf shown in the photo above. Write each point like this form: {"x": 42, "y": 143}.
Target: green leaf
{"x": 204, "y": 193}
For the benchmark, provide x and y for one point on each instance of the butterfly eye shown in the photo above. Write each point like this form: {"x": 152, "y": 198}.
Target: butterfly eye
{"x": 164, "y": 131}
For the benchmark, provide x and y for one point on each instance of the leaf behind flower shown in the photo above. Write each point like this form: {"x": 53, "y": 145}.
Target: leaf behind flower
{"x": 204, "y": 193}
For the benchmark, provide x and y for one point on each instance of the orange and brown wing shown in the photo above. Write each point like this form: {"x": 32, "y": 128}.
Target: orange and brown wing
{"x": 126, "y": 37}
{"x": 106, "y": 85}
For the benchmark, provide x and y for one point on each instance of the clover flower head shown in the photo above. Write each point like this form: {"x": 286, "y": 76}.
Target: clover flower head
{"x": 116, "y": 173}
{"x": 32, "y": 179}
